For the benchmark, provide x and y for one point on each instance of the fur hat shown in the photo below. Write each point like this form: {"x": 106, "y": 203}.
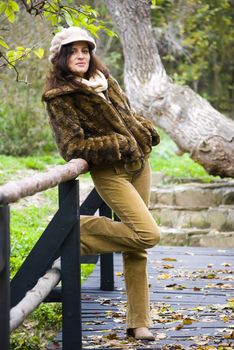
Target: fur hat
{"x": 69, "y": 35}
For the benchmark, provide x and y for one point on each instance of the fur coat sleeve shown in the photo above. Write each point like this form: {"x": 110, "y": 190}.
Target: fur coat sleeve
{"x": 73, "y": 142}
{"x": 101, "y": 131}
{"x": 150, "y": 126}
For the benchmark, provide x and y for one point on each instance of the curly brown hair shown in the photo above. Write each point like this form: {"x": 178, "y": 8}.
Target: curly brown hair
{"x": 60, "y": 74}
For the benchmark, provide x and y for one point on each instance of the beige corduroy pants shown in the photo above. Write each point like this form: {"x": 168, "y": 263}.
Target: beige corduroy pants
{"x": 128, "y": 196}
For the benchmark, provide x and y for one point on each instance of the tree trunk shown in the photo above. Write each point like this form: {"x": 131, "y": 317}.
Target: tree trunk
{"x": 195, "y": 126}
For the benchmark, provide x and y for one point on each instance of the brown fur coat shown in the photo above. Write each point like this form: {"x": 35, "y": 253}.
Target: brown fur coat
{"x": 87, "y": 126}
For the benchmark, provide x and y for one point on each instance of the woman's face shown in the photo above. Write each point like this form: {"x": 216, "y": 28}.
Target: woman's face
{"x": 78, "y": 60}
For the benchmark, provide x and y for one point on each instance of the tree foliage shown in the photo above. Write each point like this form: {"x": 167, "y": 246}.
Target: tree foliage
{"x": 58, "y": 13}
{"x": 24, "y": 127}
{"x": 196, "y": 42}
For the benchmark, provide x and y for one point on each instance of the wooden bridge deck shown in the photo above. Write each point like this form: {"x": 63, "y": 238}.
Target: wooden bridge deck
{"x": 192, "y": 302}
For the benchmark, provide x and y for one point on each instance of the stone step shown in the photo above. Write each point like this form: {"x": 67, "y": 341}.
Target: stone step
{"x": 194, "y": 194}
{"x": 159, "y": 179}
{"x": 219, "y": 218}
{"x": 196, "y": 237}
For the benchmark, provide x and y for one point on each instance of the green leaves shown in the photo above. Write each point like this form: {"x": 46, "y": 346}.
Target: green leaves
{"x": 9, "y": 8}
{"x": 55, "y": 12}
{"x": 196, "y": 42}
{"x": 3, "y": 7}
{"x": 3, "y": 43}
{"x": 52, "y": 12}
{"x": 17, "y": 55}
{"x": 86, "y": 17}
{"x": 39, "y": 52}
{"x": 82, "y": 16}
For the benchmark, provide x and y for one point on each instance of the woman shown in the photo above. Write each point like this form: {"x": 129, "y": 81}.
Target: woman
{"x": 91, "y": 119}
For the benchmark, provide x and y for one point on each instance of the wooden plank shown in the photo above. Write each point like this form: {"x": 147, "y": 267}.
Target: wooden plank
{"x": 91, "y": 203}
{"x": 201, "y": 327}
{"x": 89, "y": 259}
{"x": 107, "y": 260}
{"x": 70, "y": 271}
{"x": 44, "y": 252}
{"x": 209, "y": 326}
{"x": 198, "y": 251}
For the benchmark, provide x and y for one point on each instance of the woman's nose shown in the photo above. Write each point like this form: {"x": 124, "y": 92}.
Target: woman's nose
{"x": 80, "y": 55}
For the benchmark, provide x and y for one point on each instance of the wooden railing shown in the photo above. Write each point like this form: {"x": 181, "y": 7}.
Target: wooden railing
{"x": 61, "y": 238}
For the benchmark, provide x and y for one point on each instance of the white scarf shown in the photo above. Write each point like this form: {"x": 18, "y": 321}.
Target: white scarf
{"x": 97, "y": 82}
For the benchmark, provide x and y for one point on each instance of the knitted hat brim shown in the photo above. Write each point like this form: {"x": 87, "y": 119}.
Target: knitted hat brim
{"x": 78, "y": 37}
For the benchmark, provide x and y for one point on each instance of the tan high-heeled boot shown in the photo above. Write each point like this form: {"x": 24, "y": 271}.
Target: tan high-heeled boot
{"x": 141, "y": 333}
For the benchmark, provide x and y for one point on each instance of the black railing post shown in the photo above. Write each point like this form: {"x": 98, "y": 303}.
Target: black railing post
{"x": 107, "y": 260}
{"x": 70, "y": 273}
{"x": 4, "y": 278}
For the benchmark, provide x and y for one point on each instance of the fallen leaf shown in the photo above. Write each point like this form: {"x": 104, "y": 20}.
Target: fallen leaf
{"x": 231, "y": 300}
{"x": 224, "y": 318}
{"x": 230, "y": 336}
{"x": 118, "y": 314}
{"x": 210, "y": 265}
{"x": 189, "y": 320}
{"x": 179, "y": 326}
{"x": 161, "y": 336}
{"x": 163, "y": 276}
{"x": 167, "y": 266}
{"x": 209, "y": 347}
{"x": 199, "y": 308}
{"x": 201, "y": 340}
{"x": 209, "y": 276}
{"x": 118, "y": 320}
{"x": 230, "y": 305}
{"x": 189, "y": 253}
{"x": 105, "y": 302}
{"x": 175, "y": 286}
{"x": 119, "y": 273}
{"x": 99, "y": 322}
{"x": 112, "y": 336}
{"x": 169, "y": 259}
{"x": 226, "y": 264}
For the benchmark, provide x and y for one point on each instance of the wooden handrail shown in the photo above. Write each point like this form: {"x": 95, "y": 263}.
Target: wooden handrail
{"x": 14, "y": 190}
{"x": 35, "y": 296}
{"x": 60, "y": 238}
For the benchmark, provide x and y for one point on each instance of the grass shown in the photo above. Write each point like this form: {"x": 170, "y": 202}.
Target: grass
{"x": 164, "y": 159}
{"x": 12, "y": 167}
{"x": 29, "y": 219}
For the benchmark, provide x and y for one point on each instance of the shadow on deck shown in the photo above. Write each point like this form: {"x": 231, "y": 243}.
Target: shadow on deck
{"x": 192, "y": 302}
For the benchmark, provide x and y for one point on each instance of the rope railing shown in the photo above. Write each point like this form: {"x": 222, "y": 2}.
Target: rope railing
{"x": 15, "y": 190}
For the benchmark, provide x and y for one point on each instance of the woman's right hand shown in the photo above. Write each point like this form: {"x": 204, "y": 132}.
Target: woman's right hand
{"x": 124, "y": 144}
{"x": 128, "y": 147}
